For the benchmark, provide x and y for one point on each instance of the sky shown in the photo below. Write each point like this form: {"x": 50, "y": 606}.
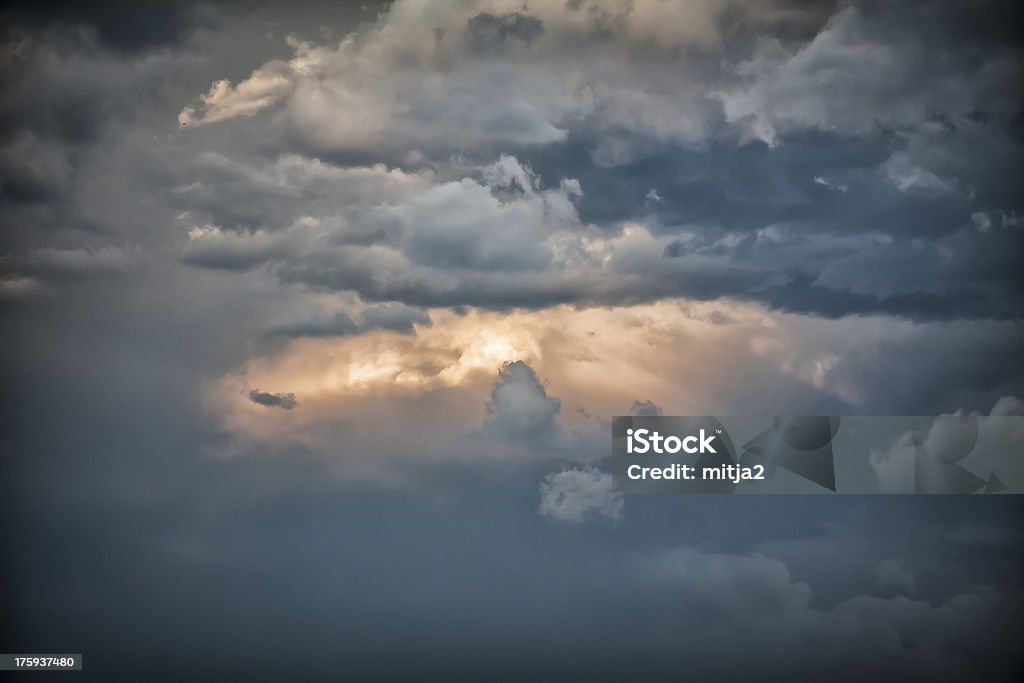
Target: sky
{"x": 316, "y": 316}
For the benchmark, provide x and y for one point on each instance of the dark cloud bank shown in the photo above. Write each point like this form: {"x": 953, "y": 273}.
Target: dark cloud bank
{"x": 832, "y": 160}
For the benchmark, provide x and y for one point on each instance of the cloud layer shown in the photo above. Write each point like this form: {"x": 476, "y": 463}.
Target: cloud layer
{"x": 316, "y": 314}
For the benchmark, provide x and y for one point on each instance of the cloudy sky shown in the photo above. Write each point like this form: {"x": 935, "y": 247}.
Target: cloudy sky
{"x": 316, "y": 315}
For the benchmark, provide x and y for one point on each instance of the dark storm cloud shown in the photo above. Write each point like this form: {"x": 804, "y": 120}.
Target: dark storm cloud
{"x": 236, "y": 251}
{"x": 121, "y": 25}
{"x": 338, "y": 324}
{"x": 70, "y": 69}
{"x": 782, "y": 195}
{"x": 263, "y": 398}
{"x": 395, "y": 317}
{"x": 391, "y": 316}
{"x": 70, "y": 264}
{"x": 487, "y": 32}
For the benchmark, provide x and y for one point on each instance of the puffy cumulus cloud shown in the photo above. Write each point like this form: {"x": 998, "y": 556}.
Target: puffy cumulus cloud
{"x": 486, "y": 74}
{"x": 371, "y": 92}
{"x": 417, "y": 249}
{"x": 519, "y": 406}
{"x": 420, "y": 77}
{"x": 895, "y": 171}
{"x": 245, "y": 194}
{"x": 578, "y": 495}
{"x": 728, "y": 583}
{"x": 503, "y": 225}
{"x": 498, "y": 238}
{"x": 755, "y": 598}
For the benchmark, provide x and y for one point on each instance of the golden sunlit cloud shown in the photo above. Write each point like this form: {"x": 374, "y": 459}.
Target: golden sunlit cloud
{"x": 686, "y": 357}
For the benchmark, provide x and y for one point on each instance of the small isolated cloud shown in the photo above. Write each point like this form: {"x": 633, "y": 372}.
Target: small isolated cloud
{"x": 645, "y": 408}
{"x": 519, "y": 406}
{"x": 285, "y": 401}
{"x": 17, "y": 288}
{"x": 266, "y": 86}
{"x": 578, "y": 495}
{"x": 829, "y": 183}
{"x": 892, "y": 575}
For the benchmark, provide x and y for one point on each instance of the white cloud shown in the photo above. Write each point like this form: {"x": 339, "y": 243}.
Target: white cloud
{"x": 578, "y": 495}
{"x": 267, "y": 86}
{"x": 519, "y": 406}
{"x": 417, "y": 78}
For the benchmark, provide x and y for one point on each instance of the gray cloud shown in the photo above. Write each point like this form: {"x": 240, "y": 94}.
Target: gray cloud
{"x": 645, "y": 408}
{"x": 487, "y": 32}
{"x": 577, "y": 495}
{"x": 120, "y": 25}
{"x": 315, "y": 325}
{"x": 404, "y": 170}
{"x": 74, "y": 264}
{"x": 263, "y": 398}
{"x": 745, "y": 219}
{"x": 395, "y": 317}
{"x": 519, "y": 407}
{"x": 890, "y": 574}
{"x": 390, "y": 316}
{"x": 211, "y": 247}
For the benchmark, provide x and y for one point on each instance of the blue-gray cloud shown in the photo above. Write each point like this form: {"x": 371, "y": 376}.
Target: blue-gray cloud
{"x": 272, "y": 400}
{"x": 439, "y": 169}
